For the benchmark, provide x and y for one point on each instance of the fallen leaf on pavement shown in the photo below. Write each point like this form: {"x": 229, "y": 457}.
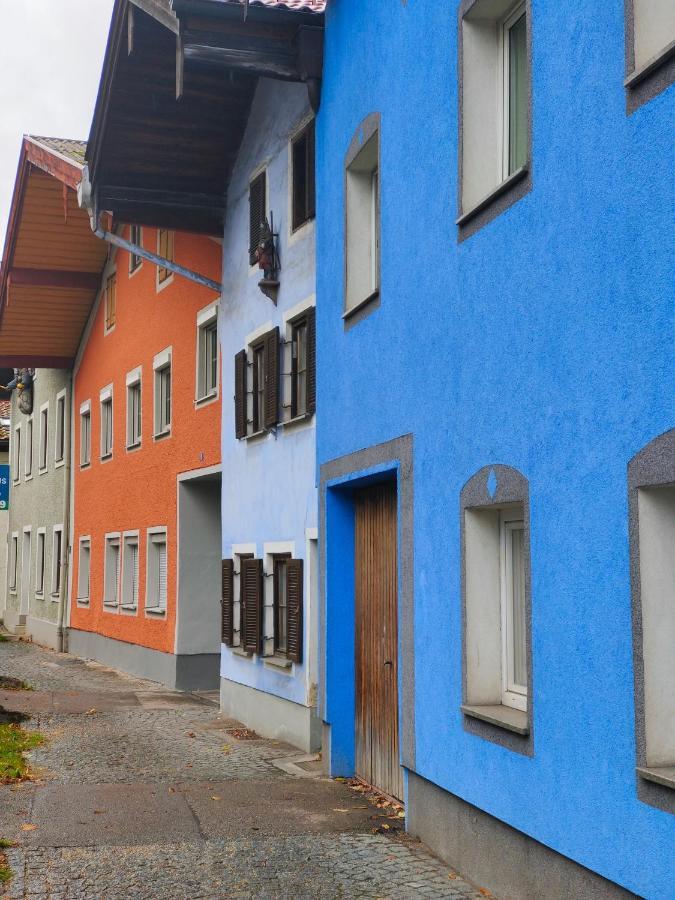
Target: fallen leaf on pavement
{"x": 28, "y": 827}
{"x": 226, "y": 748}
{"x": 91, "y": 712}
{"x": 216, "y": 798}
{"x": 172, "y": 790}
{"x": 190, "y": 733}
{"x": 340, "y": 810}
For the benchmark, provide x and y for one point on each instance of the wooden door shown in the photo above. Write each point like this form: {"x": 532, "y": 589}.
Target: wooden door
{"x": 377, "y": 753}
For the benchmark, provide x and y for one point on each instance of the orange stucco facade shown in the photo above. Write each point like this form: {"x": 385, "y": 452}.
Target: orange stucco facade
{"x": 136, "y": 489}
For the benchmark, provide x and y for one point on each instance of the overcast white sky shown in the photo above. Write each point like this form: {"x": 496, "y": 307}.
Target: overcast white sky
{"x": 51, "y": 53}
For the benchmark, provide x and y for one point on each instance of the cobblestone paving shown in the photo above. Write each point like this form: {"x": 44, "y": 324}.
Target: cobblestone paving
{"x": 190, "y": 744}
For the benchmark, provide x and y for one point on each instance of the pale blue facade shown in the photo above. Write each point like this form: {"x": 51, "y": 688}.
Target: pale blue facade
{"x": 543, "y": 342}
{"x": 268, "y": 487}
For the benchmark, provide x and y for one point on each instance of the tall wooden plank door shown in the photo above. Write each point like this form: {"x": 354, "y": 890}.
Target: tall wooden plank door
{"x": 377, "y": 747}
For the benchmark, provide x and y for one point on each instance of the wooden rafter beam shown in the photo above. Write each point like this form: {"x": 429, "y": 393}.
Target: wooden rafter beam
{"x": 35, "y": 361}
{"x": 58, "y": 278}
{"x": 113, "y": 195}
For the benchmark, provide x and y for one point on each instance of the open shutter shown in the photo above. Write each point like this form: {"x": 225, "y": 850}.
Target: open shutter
{"x": 240, "y": 370}
{"x": 257, "y": 213}
{"x": 311, "y": 361}
{"x": 294, "y": 600}
{"x": 227, "y": 601}
{"x": 252, "y": 596}
{"x": 311, "y": 191}
{"x": 271, "y": 378}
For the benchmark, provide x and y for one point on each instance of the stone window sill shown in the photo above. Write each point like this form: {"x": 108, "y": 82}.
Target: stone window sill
{"x": 663, "y": 775}
{"x": 154, "y": 611}
{"x": 514, "y": 720}
{"x": 278, "y": 662}
{"x": 650, "y": 66}
{"x": 238, "y": 651}
{"x": 489, "y": 199}
{"x": 357, "y": 307}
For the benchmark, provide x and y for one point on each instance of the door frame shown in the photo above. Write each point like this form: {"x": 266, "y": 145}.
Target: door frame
{"x": 391, "y": 461}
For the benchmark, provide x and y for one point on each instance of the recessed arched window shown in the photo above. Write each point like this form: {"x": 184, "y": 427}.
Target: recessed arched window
{"x": 497, "y": 665}
{"x": 651, "y": 498}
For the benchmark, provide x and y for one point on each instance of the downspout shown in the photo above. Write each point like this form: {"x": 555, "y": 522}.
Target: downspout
{"x": 61, "y": 642}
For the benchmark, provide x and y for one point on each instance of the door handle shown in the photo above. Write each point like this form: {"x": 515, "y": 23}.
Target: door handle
{"x": 388, "y": 662}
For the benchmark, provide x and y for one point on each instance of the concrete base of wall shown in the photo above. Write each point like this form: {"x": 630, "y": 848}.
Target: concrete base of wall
{"x": 272, "y": 717}
{"x": 495, "y": 856}
{"x": 42, "y": 632}
{"x": 14, "y": 622}
{"x": 199, "y": 672}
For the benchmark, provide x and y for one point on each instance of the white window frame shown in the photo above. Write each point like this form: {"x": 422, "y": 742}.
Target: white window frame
{"x": 43, "y": 446}
{"x": 513, "y": 695}
{"x": 127, "y": 601}
{"x": 506, "y": 25}
{"x": 24, "y": 599}
{"x": 112, "y": 539}
{"x": 28, "y": 450}
{"x": 271, "y": 550}
{"x": 106, "y": 396}
{"x": 40, "y": 563}
{"x": 85, "y": 446}
{"x": 84, "y": 544}
{"x": 134, "y": 381}
{"x": 363, "y": 191}
{"x": 134, "y": 269}
{"x": 160, "y": 285}
{"x": 205, "y": 319}
{"x": 238, "y": 550}
{"x": 57, "y": 561}
{"x": 13, "y": 561}
{"x": 16, "y": 461}
{"x": 60, "y": 427}
{"x": 161, "y": 362}
{"x": 153, "y": 607}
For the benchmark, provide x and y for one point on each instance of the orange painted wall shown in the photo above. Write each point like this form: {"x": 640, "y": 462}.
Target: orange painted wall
{"x": 137, "y": 489}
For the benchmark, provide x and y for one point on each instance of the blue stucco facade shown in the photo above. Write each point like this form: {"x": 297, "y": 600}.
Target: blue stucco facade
{"x": 543, "y": 342}
{"x": 268, "y": 487}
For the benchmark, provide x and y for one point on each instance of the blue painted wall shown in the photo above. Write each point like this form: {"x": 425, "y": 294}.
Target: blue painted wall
{"x": 269, "y": 492}
{"x": 544, "y": 342}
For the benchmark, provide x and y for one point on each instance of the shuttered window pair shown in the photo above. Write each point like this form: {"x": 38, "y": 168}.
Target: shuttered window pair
{"x": 288, "y": 606}
{"x": 259, "y": 378}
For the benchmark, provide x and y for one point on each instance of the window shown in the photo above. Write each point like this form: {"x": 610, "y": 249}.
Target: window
{"x": 362, "y": 203}
{"x": 165, "y": 249}
{"x": 57, "y": 550}
{"x": 13, "y": 561}
{"x": 282, "y": 623}
{"x": 302, "y": 364}
{"x": 112, "y": 570}
{"x": 494, "y": 109}
{"x": 162, "y": 369}
{"x": 257, "y": 199}
{"x": 84, "y": 570}
{"x": 85, "y": 434}
{"x": 157, "y": 572}
{"x": 650, "y": 49}
{"x": 302, "y": 177}
{"x": 651, "y": 497}
{"x": 136, "y": 237}
{"x": 44, "y": 426}
{"x": 134, "y": 409}
{"x": 110, "y": 301}
{"x": 207, "y": 353}
{"x": 40, "y": 563}
{"x": 17, "y": 453}
{"x": 258, "y": 387}
{"x": 29, "y": 447}
{"x": 130, "y": 572}
{"x": 60, "y": 436}
{"x": 495, "y": 592}
{"x": 106, "y": 423}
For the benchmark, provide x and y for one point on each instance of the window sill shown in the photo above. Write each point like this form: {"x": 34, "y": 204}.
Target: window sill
{"x": 136, "y": 446}
{"x": 514, "y": 720}
{"x": 39, "y": 595}
{"x": 663, "y": 775}
{"x": 489, "y": 199}
{"x": 371, "y": 298}
{"x": 82, "y": 601}
{"x": 28, "y": 478}
{"x": 152, "y": 611}
{"x": 297, "y": 420}
{"x": 650, "y": 66}
{"x": 58, "y": 463}
{"x": 129, "y": 607}
{"x": 55, "y": 598}
{"x": 109, "y": 606}
{"x": 86, "y": 465}
{"x": 238, "y": 651}
{"x": 278, "y": 662}
{"x": 257, "y": 435}
{"x": 161, "y": 435}
{"x": 42, "y": 471}
{"x": 106, "y": 457}
{"x": 206, "y": 401}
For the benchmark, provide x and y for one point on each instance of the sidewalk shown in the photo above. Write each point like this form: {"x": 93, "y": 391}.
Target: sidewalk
{"x": 140, "y": 792}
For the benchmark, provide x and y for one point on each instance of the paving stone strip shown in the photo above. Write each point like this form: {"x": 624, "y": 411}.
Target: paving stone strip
{"x": 140, "y": 792}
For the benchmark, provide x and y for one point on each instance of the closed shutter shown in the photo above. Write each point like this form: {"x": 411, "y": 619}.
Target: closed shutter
{"x": 227, "y": 601}
{"x": 311, "y": 191}
{"x": 311, "y": 361}
{"x": 161, "y": 576}
{"x": 240, "y": 369}
{"x": 252, "y": 594}
{"x": 257, "y": 213}
{"x": 295, "y": 618}
{"x": 271, "y": 378}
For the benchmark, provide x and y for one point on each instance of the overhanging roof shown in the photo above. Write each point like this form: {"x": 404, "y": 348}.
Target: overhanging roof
{"x": 175, "y": 94}
{"x": 52, "y": 262}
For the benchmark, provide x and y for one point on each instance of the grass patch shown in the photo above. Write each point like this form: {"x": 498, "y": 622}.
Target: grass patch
{"x": 5, "y": 844}
{"x": 14, "y": 742}
{"x": 7, "y": 683}
{"x": 3, "y": 638}
{"x": 5, "y": 871}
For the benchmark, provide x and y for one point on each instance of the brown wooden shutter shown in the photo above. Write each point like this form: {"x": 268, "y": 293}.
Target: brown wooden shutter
{"x": 295, "y": 618}
{"x": 311, "y": 189}
{"x": 240, "y": 370}
{"x": 311, "y": 361}
{"x": 251, "y": 581}
{"x": 227, "y": 601}
{"x": 257, "y": 212}
{"x": 271, "y": 378}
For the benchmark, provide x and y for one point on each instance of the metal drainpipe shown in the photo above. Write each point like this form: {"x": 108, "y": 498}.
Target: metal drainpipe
{"x": 65, "y": 534}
